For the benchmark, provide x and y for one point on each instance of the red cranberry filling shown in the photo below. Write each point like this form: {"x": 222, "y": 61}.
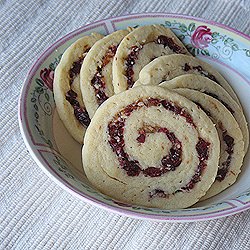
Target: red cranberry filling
{"x": 75, "y": 69}
{"x": 178, "y": 111}
{"x": 109, "y": 55}
{"x": 202, "y": 148}
{"x": 169, "y": 42}
{"x": 222, "y": 172}
{"x": 217, "y": 97}
{"x": 80, "y": 113}
{"x": 135, "y": 50}
{"x": 98, "y": 80}
{"x": 130, "y": 61}
{"x": 158, "y": 193}
{"x": 169, "y": 162}
{"x": 202, "y": 72}
{"x": 200, "y": 107}
{"x": 116, "y": 140}
{"x": 142, "y": 136}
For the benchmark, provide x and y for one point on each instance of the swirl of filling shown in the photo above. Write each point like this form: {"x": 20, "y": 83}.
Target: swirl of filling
{"x": 80, "y": 112}
{"x": 135, "y": 50}
{"x": 97, "y": 81}
{"x": 171, "y": 160}
{"x": 200, "y": 70}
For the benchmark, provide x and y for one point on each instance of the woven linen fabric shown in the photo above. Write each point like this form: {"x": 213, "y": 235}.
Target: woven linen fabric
{"x": 35, "y": 213}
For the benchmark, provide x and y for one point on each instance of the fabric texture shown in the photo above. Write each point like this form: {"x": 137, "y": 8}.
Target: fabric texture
{"x": 35, "y": 213}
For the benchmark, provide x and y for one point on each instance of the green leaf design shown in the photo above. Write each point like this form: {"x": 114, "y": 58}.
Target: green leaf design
{"x": 33, "y": 99}
{"x": 191, "y": 49}
{"x": 167, "y": 23}
{"x": 189, "y": 46}
{"x": 215, "y": 35}
{"x": 164, "y": 211}
{"x": 59, "y": 57}
{"x": 228, "y": 40}
{"x": 52, "y": 66}
{"x": 39, "y": 82}
{"x": 56, "y": 161}
{"x": 36, "y": 115}
{"x": 136, "y": 208}
{"x": 47, "y": 96}
{"x": 35, "y": 107}
{"x": 147, "y": 209}
{"x": 69, "y": 176}
{"x": 235, "y": 47}
{"x": 191, "y": 27}
{"x": 181, "y": 37}
{"x": 205, "y": 52}
{"x": 39, "y": 90}
{"x": 50, "y": 144}
{"x": 38, "y": 129}
{"x": 217, "y": 38}
{"x": 183, "y": 28}
{"x": 63, "y": 167}
{"x": 214, "y": 41}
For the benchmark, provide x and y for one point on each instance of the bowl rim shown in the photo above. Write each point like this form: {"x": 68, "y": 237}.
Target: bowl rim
{"x": 73, "y": 190}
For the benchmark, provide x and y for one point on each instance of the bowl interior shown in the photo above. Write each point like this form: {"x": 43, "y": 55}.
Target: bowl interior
{"x": 60, "y": 156}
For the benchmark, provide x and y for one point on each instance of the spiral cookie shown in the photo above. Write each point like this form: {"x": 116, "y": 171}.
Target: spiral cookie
{"x": 232, "y": 145}
{"x": 67, "y": 94}
{"x": 152, "y": 147}
{"x": 167, "y": 67}
{"x": 139, "y": 48}
{"x": 96, "y": 72}
{"x": 210, "y": 88}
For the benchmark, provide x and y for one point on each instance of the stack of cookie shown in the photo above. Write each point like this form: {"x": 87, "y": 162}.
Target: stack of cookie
{"x": 160, "y": 128}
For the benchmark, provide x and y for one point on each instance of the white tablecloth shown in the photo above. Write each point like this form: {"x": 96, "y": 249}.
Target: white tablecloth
{"x": 35, "y": 213}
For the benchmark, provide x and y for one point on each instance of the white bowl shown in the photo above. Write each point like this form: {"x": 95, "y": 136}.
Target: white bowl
{"x": 43, "y": 133}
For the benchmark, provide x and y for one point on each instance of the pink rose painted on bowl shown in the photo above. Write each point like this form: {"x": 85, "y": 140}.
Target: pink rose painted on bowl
{"x": 201, "y": 37}
{"x": 47, "y": 75}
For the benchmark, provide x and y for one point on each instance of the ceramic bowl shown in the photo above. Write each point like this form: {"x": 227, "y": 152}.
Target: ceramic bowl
{"x": 45, "y": 136}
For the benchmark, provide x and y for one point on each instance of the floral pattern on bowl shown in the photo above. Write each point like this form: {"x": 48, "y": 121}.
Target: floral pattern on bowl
{"x": 218, "y": 44}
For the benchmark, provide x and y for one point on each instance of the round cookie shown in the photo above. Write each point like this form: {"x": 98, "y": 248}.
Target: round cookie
{"x": 152, "y": 147}
{"x": 209, "y": 87}
{"x": 140, "y": 47}
{"x": 165, "y": 68}
{"x": 231, "y": 146}
{"x": 66, "y": 86}
{"x": 96, "y": 72}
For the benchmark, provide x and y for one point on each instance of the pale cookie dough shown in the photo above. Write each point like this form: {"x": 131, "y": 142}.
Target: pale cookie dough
{"x": 165, "y": 68}
{"x": 139, "y": 48}
{"x": 232, "y": 145}
{"x": 152, "y": 147}
{"x": 66, "y": 86}
{"x": 209, "y": 87}
{"x": 96, "y": 72}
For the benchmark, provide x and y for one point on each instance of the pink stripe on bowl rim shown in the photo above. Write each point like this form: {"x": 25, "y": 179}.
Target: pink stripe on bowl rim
{"x": 140, "y": 215}
{"x": 181, "y": 16}
{"x": 24, "y": 127}
{"x": 37, "y": 64}
{"x": 227, "y": 66}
